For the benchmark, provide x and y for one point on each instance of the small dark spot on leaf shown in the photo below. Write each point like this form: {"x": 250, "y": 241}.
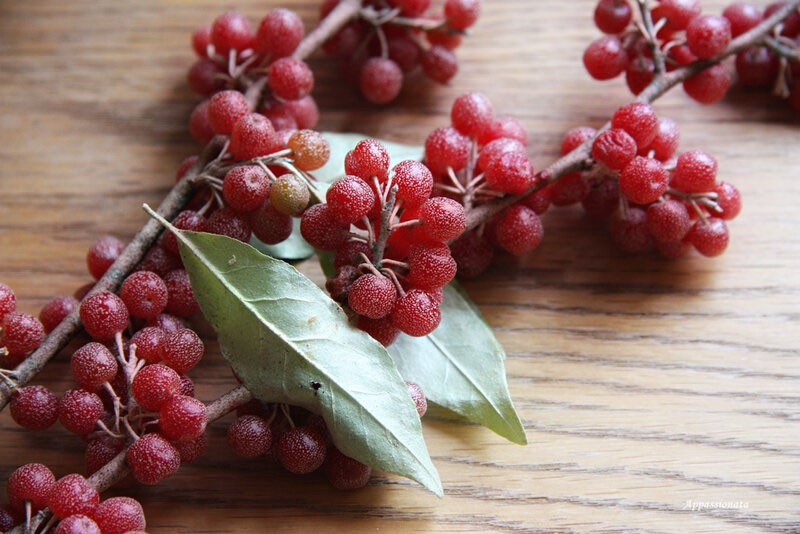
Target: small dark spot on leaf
{"x": 315, "y": 386}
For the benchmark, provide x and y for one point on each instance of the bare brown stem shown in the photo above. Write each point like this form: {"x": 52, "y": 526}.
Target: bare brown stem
{"x": 175, "y": 200}
{"x": 580, "y": 158}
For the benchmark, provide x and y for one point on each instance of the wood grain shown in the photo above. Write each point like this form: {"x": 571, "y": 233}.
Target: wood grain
{"x": 644, "y": 384}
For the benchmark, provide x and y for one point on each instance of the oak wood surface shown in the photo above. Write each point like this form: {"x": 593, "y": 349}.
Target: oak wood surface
{"x": 644, "y": 385}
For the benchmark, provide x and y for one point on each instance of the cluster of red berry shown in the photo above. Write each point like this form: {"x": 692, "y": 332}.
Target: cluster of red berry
{"x": 385, "y": 43}
{"x": 684, "y": 35}
{"x": 389, "y": 237}
{"x": 652, "y": 196}
{"x": 71, "y": 499}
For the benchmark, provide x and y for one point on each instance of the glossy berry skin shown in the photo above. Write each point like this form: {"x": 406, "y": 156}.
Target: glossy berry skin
{"x": 71, "y": 495}
{"x": 149, "y": 344}
{"x": 349, "y": 199}
{"x": 612, "y": 16}
{"x": 471, "y": 114}
{"x": 93, "y": 365}
{"x": 708, "y": 35}
{"x": 301, "y": 450}
{"x": 152, "y": 458}
{"x": 380, "y": 80}
{"x": 666, "y": 140}
{"x": 144, "y": 294}
{"x": 602, "y": 199}
{"x": 102, "y": 254}
{"x": 442, "y": 219}
{"x": 668, "y": 221}
{"x": 575, "y": 138}
{"x": 416, "y": 313}
{"x": 461, "y": 14}
{"x": 708, "y": 86}
{"x": 605, "y": 58}
{"x": 182, "y": 417}
{"x": 252, "y": 136}
{"x": 21, "y": 334}
{"x": 250, "y": 436}
{"x": 519, "y": 230}
{"x": 369, "y": 158}
{"x": 644, "y": 180}
{"x": 757, "y": 66}
{"x": 191, "y": 449}
{"x": 321, "y": 229}
{"x": 678, "y": 13}
{"x": 79, "y": 410}
{"x": 245, "y": 188}
{"x": 77, "y": 524}
{"x": 695, "y": 172}
{"x": 279, "y": 33}
{"x": 446, "y": 147}
{"x": 56, "y": 311}
{"x": 118, "y": 515}
{"x": 711, "y": 238}
{"x": 418, "y": 396}
{"x": 381, "y": 330}
{"x": 345, "y": 473}
{"x": 34, "y": 407}
{"x": 639, "y": 120}
{"x": 414, "y": 183}
{"x": 183, "y": 350}
{"x": 231, "y": 31}
{"x": 729, "y": 199}
{"x": 290, "y": 78}
{"x": 614, "y": 148}
{"x": 289, "y": 195}
{"x": 104, "y": 314}
{"x": 497, "y": 148}
{"x": 154, "y": 385}
{"x": 8, "y": 301}
{"x": 30, "y": 482}
{"x": 310, "y": 150}
{"x": 372, "y": 296}
{"x": 430, "y": 267}
{"x": 511, "y": 173}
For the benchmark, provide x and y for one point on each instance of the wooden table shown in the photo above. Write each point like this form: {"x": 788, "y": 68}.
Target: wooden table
{"x": 645, "y": 385}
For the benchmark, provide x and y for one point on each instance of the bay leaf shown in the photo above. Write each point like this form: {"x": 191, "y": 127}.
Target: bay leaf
{"x": 289, "y": 342}
{"x": 460, "y": 367}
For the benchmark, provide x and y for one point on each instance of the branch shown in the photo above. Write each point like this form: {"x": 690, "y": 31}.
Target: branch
{"x": 172, "y": 204}
{"x": 581, "y": 159}
{"x": 117, "y": 469}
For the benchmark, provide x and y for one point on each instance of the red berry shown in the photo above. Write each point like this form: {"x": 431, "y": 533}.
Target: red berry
{"x": 310, "y": 149}
{"x": 34, "y": 407}
{"x": 791, "y": 24}
{"x": 612, "y": 16}
{"x": 729, "y": 199}
{"x": 381, "y": 330}
{"x": 102, "y": 254}
{"x": 149, "y": 343}
{"x": 418, "y": 396}
{"x": 439, "y": 64}
{"x": 119, "y": 515}
{"x": 446, "y": 147}
{"x": 430, "y": 267}
{"x": 187, "y": 386}
{"x": 79, "y": 410}
{"x": 77, "y": 524}
{"x": 411, "y": 8}
{"x": 180, "y": 295}
{"x": 602, "y": 199}
{"x": 199, "y": 124}
{"x": 21, "y": 334}
{"x": 639, "y": 120}
{"x": 290, "y": 78}
{"x": 708, "y": 85}
{"x": 71, "y": 495}
{"x": 511, "y": 173}
{"x": 30, "y": 482}
{"x": 144, "y": 294}
{"x": 252, "y": 136}
{"x": 605, "y": 58}
{"x": 246, "y": 187}
{"x": 742, "y": 17}
{"x": 369, "y": 158}
{"x": 168, "y": 323}
{"x": 269, "y": 225}
{"x": 757, "y": 66}
{"x": 201, "y": 38}
{"x": 461, "y": 14}
{"x": 519, "y": 230}
{"x": 708, "y": 35}
{"x": 100, "y": 451}
{"x": 182, "y": 417}
{"x": 629, "y": 231}
{"x": 320, "y": 229}
{"x": 695, "y": 172}
{"x": 279, "y": 33}
{"x": 349, "y": 199}
{"x": 575, "y": 138}
{"x": 472, "y": 253}
{"x": 380, "y": 80}
{"x": 231, "y": 31}
{"x": 639, "y": 73}
{"x": 304, "y": 111}
{"x": 103, "y": 315}
{"x": 230, "y": 223}
{"x": 414, "y": 183}
{"x": 183, "y": 350}
{"x": 250, "y": 436}
{"x": 372, "y": 296}
{"x": 416, "y": 313}
{"x": 540, "y": 201}
{"x": 56, "y": 311}
{"x": 442, "y": 219}
{"x": 8, "y": 301}
{"x": 93, "y": 365}
{"x": 191, "y": 449}
{"x": 678, "y": 13}
{"x": 614, "y": 148}
{"x": 185, "y": 220}
{"x": 569, "y": 189}
{"x": 159, "y": 261}
{"x": 504, "y": 126}
{"x": 301, "y": 450}
{"x": 152, "y": 458}
{"x": 668, "y": 220}
{"x": 711, "y": 238}
{"x": 345, "y": 473}
{"x": 225, "y": 109}
{"x": 666, "y": 141}
{"x": 497, "y": 148}
{"x": 644, "y": 180}
{"x": 471, "y": 114}
{"x": 154, "y": 385}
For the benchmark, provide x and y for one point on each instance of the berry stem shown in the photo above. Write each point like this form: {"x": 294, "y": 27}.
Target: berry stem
{"x": 386, "y": 228}
{"x": 580, "y": 158}
{"x": 172, "y": 204}
{"x": 650, "y": 35}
